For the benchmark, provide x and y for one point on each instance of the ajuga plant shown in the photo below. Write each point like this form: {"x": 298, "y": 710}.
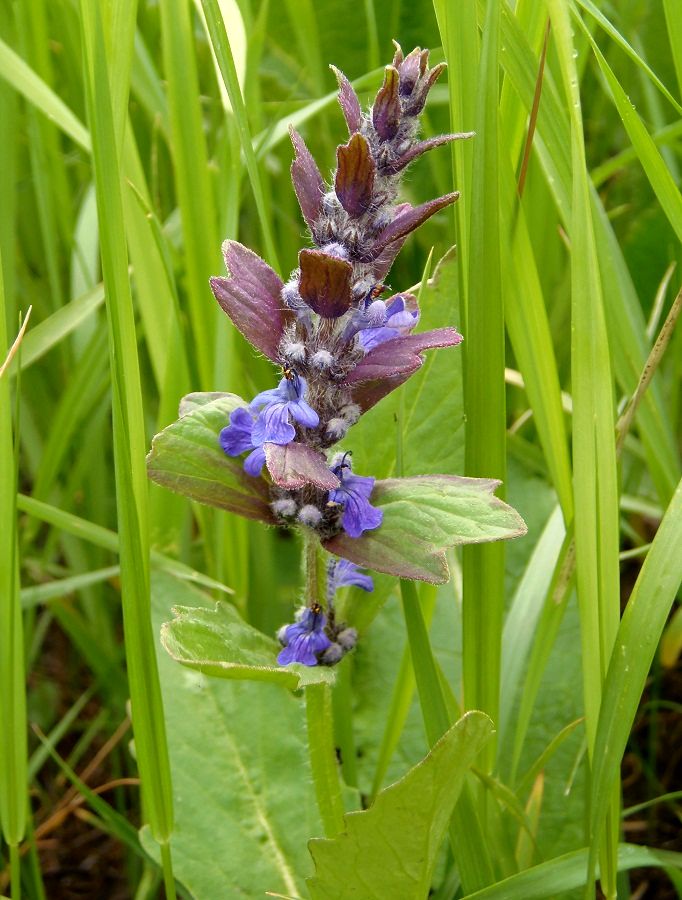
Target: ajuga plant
{"x": 341, "y": 347}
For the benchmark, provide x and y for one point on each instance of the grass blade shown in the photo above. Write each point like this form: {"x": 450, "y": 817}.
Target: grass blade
{"x": 594, "y": 451}
{"x": 484, "y": 393}
{"x": 24, "y": 80}
{"x": 13, "y": 749}
{"x": 223, "y": 53}
{"x": 129, "y": 443}
{"x": 636, "y": 642}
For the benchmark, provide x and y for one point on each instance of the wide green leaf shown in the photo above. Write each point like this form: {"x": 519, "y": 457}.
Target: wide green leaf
{"x": 244, "y": 804}
{"x": 219, "y": 642}
{"x": 187, "y": 458}
{"x": 390, "y": 849}
{"x": 425, "y": 515}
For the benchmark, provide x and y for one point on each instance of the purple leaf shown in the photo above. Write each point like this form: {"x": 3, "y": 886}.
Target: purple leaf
{"x": 325, "y": 283}
{"x": 306, "y": 178}
{"x": 348, "y": 101}
{"x": 386, "y": 109}
{"x": 423, "y": 147}
{"x": 390, "y": 364}
{"x": 401, "y": 354}
{"x": 381, "y": 266}
{"x": 355, "y": 172}
{"x": 408, "y": 219}
{"x": 293, "y": 465}
{"x": 250, "y": 295}
{"x": 423, "y": 516}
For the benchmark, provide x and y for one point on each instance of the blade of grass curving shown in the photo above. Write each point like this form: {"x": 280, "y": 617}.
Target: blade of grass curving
{"x": 192, "y": 180}
{"x": 558, "y": 876}
{"x": 484, "y": 393}
{"x": 24, "y": 80}
{"x": 594, "y": 451}
{"x": 649, "y": 155}
{"x": 42, "y": 593}
{"x": 109, "y": 540}
{"x": 13, "y": 748}
{"x": 48, "y": 333}
{"x": 223, "y": 53}
{"x": 636, "y": 643}
{"x": 618, "y": 38}
{"x": 304, "y": 25}
{"x": 129, "y": 446}
{"x": 673, "y": 19}
{"x": 663, "y": 137}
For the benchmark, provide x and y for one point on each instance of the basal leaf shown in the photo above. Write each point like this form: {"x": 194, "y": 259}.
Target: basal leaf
{"x": 423, "y": 516}
{"x": 219, "y": 642}
{"x": 186, "y": 457}
{"x": 244, "y": 806}
{"x": 390, "y": 849}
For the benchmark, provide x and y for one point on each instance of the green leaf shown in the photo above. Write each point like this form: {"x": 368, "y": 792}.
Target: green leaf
{"x": 218, "y": 642}
{"x": 390, "y": 849}
{"x": 635, "y": 645}
{"x": 243, "y": 796}
{"x": 186, "y": 457}
{"x": 422, "y": 517}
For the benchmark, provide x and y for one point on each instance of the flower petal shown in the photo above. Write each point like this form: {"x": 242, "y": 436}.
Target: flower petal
{"x": 272, "y": 425}
{"x": 354, "y": 182}
{"x": 325, "y": 283}
{"x": 307, "y": 180}
{"x": 254, "y": 462}
{"x": 236, "y": 438}
{"x": 303, "y": 413}
{"x": 348, "y": 101}
{"x": 250, "y": 295}
{"x": 293, "y": 465}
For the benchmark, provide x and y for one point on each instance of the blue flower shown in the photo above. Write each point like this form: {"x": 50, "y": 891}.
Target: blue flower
{"x": 237, "y": 437}
{"x": 276, "y": 405}
{"x": 397, "y": 320}
{"x": 344, "y": 573}
{"x": 305, "y": 639}
{"x": 353, "y": 494}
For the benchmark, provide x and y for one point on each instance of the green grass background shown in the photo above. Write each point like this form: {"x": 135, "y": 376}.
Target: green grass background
{"x": 134, "y": 137}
